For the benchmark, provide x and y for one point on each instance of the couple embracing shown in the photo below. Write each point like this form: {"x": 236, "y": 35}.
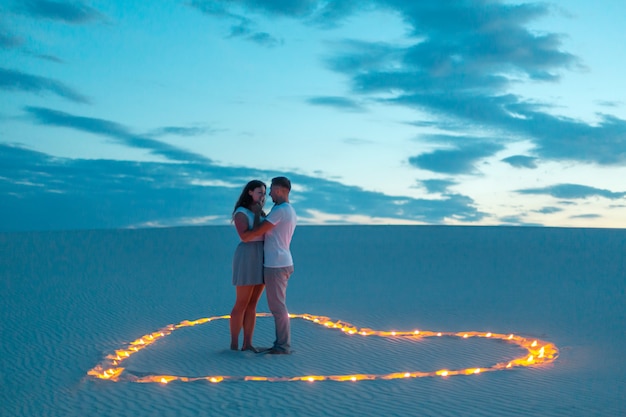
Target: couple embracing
{"x": 262, "y": 260}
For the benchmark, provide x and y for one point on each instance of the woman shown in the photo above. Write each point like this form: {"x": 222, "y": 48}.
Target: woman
{"x": 247, "y": 265}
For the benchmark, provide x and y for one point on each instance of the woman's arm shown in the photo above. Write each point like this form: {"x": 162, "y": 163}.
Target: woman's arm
{"x": 241, "y": 224}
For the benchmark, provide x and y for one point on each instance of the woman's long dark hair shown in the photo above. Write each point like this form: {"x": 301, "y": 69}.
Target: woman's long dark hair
{"x": 245, "y": 199}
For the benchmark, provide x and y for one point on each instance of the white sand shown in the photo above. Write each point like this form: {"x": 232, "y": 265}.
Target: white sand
{"x": 71, "y": 298}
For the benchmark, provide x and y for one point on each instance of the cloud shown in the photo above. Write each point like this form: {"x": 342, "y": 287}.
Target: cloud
{"x": 326, "y": 14}
{"x": 292, "y": 8}
{"x": 354, "y": 57}
{"x": 69, "y": 12}
{"x": 461, "y": 160}
{"x": 554, "y": 137}
{"x": 518, "y": 221}
{"x": 609, "y": 103}
{"x": 437, "y": 186}
{"x": 243, "y": 26}
{"x": 565, "y": 139}
{"x": 45, "y": 57}
{"x": 12, "y": 80}
{"x": 464, "y": 58}
{"x": 334, "y": 198}
{"x": 549, "y": 210}
{"x": 8, "y": 40}
{"x": 265, "y": 39}
{"x": 573, "y": 191}
{"x": 112, "y": 130}
{"x": 315, "y": 11}
{"x": 244, "y": 29}
{"x": 521, "y": 161}
{"x": 464, "y": 48}
{"x": 43, "y": 192}
{"x": 181, "y": 131}
{"x": 512, "y": 220}
{"x": 55, "y": 193}
{"x": 586, "y": 216}
{"x": 459, "y": 66}
{"x": 336, "y": 102}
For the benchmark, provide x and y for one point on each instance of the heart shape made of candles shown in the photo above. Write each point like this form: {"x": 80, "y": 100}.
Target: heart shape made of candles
{"x": 538, "y": 353}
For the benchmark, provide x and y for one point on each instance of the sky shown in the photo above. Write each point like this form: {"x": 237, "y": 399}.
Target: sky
{"x": 137, "y": 114}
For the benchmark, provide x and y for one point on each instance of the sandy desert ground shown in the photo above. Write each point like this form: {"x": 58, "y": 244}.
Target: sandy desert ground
{"x": 71, "y": 298}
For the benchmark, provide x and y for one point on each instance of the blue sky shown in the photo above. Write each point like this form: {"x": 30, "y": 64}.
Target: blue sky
{"x": 380, "y": 111}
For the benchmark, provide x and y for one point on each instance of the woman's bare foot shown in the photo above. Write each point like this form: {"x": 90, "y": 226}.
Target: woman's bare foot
{"x": 250, "y": 348}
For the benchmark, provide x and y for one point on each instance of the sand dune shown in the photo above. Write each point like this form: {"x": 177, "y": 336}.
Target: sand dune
{"x": 72, "y": 298}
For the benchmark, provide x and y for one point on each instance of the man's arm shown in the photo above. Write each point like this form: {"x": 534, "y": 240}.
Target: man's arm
{"x": 261, "y": 229}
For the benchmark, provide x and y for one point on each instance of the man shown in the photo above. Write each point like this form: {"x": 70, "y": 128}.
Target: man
{"x": 278, "y": 228}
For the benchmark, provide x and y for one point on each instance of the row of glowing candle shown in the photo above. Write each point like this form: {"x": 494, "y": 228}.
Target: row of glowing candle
{"x": 538, "y": 353}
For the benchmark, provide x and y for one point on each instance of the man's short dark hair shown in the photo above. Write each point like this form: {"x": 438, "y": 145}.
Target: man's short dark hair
{"x": 282, "y": 182}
